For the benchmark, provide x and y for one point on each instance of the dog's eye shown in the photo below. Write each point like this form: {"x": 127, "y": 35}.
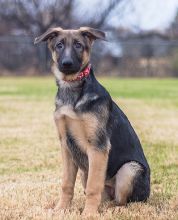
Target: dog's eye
{"x": 59, "y": 45}
{"x": 78, "y": 45}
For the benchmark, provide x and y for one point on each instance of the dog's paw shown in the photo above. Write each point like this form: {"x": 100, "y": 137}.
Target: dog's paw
{"x": 61, "y": 207}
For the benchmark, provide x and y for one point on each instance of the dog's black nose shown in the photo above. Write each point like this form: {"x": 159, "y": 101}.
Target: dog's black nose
{"x": 67, "y": 62}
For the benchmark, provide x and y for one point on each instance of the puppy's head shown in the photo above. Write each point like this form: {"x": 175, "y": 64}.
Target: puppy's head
{"x": 70, "y": 49}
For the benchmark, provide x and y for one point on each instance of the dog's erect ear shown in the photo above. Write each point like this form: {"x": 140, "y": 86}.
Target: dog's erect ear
{"x": 93, "y": 34}
{"x": 49, "y": 34}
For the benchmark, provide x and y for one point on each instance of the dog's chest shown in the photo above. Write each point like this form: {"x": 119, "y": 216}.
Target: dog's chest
{"x": 76, "y": 131}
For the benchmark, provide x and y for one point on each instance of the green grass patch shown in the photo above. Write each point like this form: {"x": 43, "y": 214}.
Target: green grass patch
{"x": 43, "y": 87}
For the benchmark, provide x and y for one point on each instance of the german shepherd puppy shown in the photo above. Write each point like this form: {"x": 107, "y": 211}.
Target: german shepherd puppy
{"x": 96, "y": 136}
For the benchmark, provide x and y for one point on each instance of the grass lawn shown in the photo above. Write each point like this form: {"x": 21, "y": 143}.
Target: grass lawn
{"x": 30, "y": 164}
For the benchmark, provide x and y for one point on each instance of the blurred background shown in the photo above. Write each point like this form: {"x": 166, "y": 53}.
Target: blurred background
{"x": 143, "y": 35}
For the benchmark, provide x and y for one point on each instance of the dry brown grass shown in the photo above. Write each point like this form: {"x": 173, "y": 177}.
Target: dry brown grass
{"x": 30, "y": 165}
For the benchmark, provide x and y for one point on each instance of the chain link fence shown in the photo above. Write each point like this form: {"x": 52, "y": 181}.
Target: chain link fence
{"x": 19, "y": 56}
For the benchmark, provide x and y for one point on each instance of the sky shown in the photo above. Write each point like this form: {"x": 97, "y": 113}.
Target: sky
{"x": 139, "y": 14}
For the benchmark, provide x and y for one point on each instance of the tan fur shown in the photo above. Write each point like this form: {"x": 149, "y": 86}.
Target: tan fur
{"x": 108, "y": 183}
{"x": 70, "y": 77}
{"x": 61, "y": 126}
{"x": 56, "y": 71}
{"x": 95, "y": 182}
{"x": 124, "y": 181}
{"x": 69, "y": 168}
{"x": 54, "y": 57}
{"x": 83, "y": 127}
{"x": 84, "y": 177}
{"x": 86, "y": 58}
{"x": 68, "y": 179}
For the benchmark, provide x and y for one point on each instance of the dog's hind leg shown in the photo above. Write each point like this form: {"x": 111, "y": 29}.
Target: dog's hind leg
{"x": 109, "y": 189}
{"x": 124, "y": 184}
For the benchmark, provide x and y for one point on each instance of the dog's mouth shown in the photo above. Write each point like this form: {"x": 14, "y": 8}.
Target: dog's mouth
{"x": 70, "y": 77}
{"x": 69, "y": 71}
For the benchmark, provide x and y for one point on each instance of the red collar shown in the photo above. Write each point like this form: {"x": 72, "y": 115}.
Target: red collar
{"x": 85, "y": 73}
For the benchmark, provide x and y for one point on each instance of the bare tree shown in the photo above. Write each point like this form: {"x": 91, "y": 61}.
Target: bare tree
{"x": 36, "y": 16}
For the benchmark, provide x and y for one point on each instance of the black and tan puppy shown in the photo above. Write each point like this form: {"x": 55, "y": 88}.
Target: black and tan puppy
{"x": 96, "y": 136}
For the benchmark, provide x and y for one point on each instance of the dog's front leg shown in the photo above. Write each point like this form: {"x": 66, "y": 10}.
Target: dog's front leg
{"x": 68, "y": 180}
{"x": 95, "y": 182}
